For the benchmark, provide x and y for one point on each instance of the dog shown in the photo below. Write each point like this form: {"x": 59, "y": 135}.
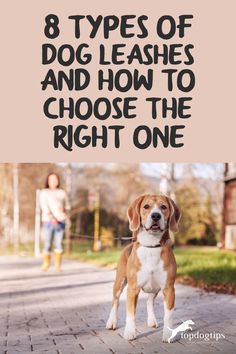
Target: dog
{"x": 148, "y": 263}
{"x": 181, "y": 328}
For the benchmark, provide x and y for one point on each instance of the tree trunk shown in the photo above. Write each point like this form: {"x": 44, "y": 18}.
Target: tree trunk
{"x": 15, "y": 177}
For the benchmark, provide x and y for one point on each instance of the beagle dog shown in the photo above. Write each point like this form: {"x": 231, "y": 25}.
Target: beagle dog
{"x": 148, "y": 263}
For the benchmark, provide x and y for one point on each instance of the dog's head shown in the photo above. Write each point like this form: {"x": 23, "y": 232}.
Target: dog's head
{"x": 154, "y": 213}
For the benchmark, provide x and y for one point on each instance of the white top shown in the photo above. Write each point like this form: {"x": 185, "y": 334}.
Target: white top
{"x": 53, "y": 203}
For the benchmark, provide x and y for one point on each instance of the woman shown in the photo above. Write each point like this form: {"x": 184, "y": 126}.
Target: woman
{"x": 53, "y": 203}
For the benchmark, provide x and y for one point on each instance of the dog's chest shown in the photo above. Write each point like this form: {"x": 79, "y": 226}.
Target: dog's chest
{"x": 151, "y": 276}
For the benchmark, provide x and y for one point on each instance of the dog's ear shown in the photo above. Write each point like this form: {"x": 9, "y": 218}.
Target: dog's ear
{"x": 174, "y": 216}
{"x": 134, "y": 213}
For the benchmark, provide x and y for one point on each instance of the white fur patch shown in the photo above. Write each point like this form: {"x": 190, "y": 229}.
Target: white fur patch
{"x": 112, "y": 320}
{"x": 151, "y": 321}
{"x": 146, "y": 238}
{"x": 168, "y": 323}
{"x": 130, "y": 328}
{"x": 151, "y": 276}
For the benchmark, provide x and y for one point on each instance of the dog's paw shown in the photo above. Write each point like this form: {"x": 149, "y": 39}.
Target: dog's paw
{"x": 152, "y": 322}
{"x": 112, "y": 321}
{"x": 130, "y": 329}
{"x": 166, "y": 337}
{"x": 130, "y": 334}
{"x": 167, "y": 340}
{"x": 111, "y": 324}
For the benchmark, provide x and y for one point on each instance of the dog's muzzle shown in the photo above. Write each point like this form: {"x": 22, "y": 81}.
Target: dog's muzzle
{"x": 155, "y": 226}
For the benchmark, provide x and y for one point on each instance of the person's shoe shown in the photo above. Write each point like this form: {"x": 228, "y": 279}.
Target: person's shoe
{"x": 57, "y": 259}
{"x": 46, "y": 262}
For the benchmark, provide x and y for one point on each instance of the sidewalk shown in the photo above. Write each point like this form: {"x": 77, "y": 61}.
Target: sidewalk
{"x": 66, "y": 313}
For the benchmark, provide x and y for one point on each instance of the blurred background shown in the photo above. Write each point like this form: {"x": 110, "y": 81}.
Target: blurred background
{"x": 97, "y": 226}
{"x": 198, "y": 189}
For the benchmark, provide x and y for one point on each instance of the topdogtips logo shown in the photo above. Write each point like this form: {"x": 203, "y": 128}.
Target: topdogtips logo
{"x": 194, "y": 336}
{"x": 181, "y": 328}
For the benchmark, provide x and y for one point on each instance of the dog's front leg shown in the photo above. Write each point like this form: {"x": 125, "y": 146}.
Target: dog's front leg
{"x": 151, "y": 321}
{"x": 169, "y": 301}
{"x": 132, "y": 297}
{"x": 117, "y": 290}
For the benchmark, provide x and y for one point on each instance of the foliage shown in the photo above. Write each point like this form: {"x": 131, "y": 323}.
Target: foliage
{"x": 119, "y": 227}
{"x": 199, "y": 224}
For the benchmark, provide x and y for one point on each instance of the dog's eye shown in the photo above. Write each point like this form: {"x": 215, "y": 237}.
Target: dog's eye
{"x": 163, "y": 207}
{"x": 146, "y": 206}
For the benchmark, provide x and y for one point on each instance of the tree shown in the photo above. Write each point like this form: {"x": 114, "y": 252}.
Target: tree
{"x": 16, "y": 207}
{"x": 6, "y": 203}
{"x": 198, "y": 223}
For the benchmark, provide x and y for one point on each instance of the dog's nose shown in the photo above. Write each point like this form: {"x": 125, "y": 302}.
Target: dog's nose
{"x": 156, "y": 216}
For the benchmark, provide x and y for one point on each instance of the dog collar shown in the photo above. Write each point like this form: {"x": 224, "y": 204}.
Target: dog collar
{"x": 151, "y": 246}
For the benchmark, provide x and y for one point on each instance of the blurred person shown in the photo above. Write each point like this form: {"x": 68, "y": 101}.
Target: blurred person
{"x": 53, "y": 202}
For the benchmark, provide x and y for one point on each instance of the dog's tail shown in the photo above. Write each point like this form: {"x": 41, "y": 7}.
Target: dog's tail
{"x": 170, "y": 329}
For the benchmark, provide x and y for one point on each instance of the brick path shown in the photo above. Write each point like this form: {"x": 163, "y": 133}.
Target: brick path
{"x": 66, "y": 313}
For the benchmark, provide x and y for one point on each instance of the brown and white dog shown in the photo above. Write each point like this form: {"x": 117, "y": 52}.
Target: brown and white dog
{"x": 147, "y": 263}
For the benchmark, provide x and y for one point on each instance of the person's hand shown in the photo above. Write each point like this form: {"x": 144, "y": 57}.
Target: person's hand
{"x": 54, "y": 221}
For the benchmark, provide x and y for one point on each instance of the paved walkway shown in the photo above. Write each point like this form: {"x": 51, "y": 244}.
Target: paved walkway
{"x": 66, "y": 313}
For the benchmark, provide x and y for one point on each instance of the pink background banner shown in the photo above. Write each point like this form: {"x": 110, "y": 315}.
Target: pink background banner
{"x": 27, "y": 134}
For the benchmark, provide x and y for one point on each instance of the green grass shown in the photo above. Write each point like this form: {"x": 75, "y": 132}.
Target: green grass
{"x": 83, "y": 252}
{"x": 205, "y": 267}
{"x": 25, "y": 249}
